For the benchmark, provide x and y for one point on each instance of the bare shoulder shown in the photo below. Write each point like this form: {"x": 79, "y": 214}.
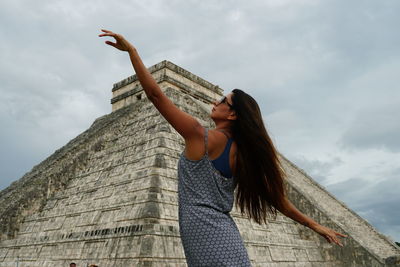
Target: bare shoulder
{"x": 217, "y": 142}
{"x": 195, "y": 146}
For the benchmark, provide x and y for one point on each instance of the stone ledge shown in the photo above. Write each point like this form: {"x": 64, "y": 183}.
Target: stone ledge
{"x": 185, "y": 88}
{"x": 90, "y": 235}
{"x": 175, "y": 68}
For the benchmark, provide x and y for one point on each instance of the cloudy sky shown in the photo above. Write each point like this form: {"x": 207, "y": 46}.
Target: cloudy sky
{"x": 323, "y": 73}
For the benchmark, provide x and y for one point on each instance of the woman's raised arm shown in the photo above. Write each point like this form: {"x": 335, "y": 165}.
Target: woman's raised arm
{"x": 187, "y": 126}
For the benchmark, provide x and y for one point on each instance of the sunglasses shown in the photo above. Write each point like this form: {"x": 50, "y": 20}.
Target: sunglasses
{"x": 223, "y": 100}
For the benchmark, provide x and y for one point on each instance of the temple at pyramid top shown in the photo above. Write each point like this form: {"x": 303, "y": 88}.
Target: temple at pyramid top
{"x": 166, "y": 74}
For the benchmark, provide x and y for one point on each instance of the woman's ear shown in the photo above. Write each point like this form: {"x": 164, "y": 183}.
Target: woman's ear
{"x": 232, "y": 116}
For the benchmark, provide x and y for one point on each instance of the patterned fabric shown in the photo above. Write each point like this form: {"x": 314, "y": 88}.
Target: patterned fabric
{"x": 209, "y": 235}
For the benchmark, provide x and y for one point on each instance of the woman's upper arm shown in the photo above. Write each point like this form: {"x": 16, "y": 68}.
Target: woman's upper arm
{"x": 187, "y": 126}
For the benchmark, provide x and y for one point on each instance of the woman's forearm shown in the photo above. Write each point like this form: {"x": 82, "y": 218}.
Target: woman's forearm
{"x": 292, "y": 212}
{"x": 145, "y": 78}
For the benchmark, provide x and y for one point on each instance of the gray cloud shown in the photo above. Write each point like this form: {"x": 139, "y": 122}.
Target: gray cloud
{"x": 374, "y": 128}
{"x": 319, "y": 170}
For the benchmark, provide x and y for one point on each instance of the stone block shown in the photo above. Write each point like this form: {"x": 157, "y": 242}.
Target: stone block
{"x": 47, "y": 252}
{"x": 259, "y": 253}
{"x": 54, "y": 223}
{"x": 93, "y": 249}
{"x": 301, "y": 254}
{"x": 314, "y": 254}
{"x": 167, "y": 247}
{"x": 282, "y": 254}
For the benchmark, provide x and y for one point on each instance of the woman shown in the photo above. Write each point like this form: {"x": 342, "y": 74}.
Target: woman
{"x": 210, "y": 168}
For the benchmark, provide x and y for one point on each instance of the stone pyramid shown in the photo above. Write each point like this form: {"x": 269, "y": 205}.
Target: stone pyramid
{"x": 109, "y": 196}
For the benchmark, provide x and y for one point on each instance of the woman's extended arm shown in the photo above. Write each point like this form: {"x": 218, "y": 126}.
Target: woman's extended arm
{"x": 187, "y": 126}
{"x": 147, "y": 81}
{"x": 292, "y": 212}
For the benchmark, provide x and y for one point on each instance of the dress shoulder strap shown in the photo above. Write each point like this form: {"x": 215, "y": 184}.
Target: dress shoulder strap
{"x": 206, "y": 139}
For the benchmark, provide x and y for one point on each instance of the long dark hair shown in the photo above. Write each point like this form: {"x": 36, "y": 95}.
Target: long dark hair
{"x": 259, "y": 174}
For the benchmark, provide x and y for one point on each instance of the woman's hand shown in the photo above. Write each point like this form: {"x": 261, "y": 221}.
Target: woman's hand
{"x": 329, "y": 234}
{"x": 121, "y": 43}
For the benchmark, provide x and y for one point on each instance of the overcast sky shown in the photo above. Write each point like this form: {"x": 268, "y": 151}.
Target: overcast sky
{"x": 323, "y": 73}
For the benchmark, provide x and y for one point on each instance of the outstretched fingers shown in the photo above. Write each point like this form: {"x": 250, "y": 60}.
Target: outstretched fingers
{"x": 111, "y": 43}
{"x": 329, "y": 234}
{"x": 335, "y": 239}
{"x": 337, "y": 242}
{"x": 332, "y": 239}
{"x": 339, "y": 234}
{"x": 120, "y": 42}
{"x": 107, "y": 33}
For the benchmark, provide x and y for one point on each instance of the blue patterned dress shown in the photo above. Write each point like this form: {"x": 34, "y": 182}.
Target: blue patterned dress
{"x": 209, "y": 235}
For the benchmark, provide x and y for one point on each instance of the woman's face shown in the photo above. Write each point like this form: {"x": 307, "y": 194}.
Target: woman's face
{"x": 222, "y": 107}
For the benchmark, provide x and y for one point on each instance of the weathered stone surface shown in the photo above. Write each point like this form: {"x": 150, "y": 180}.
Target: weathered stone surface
{"x": 110, "y": 197}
